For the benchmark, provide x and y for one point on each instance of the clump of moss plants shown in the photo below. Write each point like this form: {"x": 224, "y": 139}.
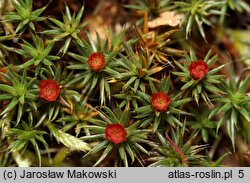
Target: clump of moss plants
{"x": 162, "y": 91}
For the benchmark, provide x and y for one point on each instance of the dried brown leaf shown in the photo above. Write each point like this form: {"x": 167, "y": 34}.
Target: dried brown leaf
{"x": 167, "y": 18}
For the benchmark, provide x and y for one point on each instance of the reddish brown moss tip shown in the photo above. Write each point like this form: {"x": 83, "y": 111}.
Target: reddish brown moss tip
{"x": 115, "y": 133}
{"x": 198, "y": 69}
{"x": 49, "y": 90}
{"x": 96, "y": 61}
{"x": 160, "y": 101}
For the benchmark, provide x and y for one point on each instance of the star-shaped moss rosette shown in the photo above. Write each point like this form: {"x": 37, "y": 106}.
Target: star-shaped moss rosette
{"x": 99, "y": 66}
{"x": 24, "y": 15}
{"x": 158, "y": 45}
{"x": 234, "y": 106}
{"x": 37, "y": 54}
{"x": 160, "y": 107}
{"x": 76, "y": 116}
{"x": 116, "y": 132}
{"x": 20, "y": 92}
{"x": 201, "y": 122}
{"x": 26, "y": 137}
{"x": 175, "y": 152}
{"x": 54, "y": 91}
{"x": 136, "y": 70}
{"x": 198, "y": 12}
{"x": 68, "y": 29}
{"x": 199, "y": 78}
